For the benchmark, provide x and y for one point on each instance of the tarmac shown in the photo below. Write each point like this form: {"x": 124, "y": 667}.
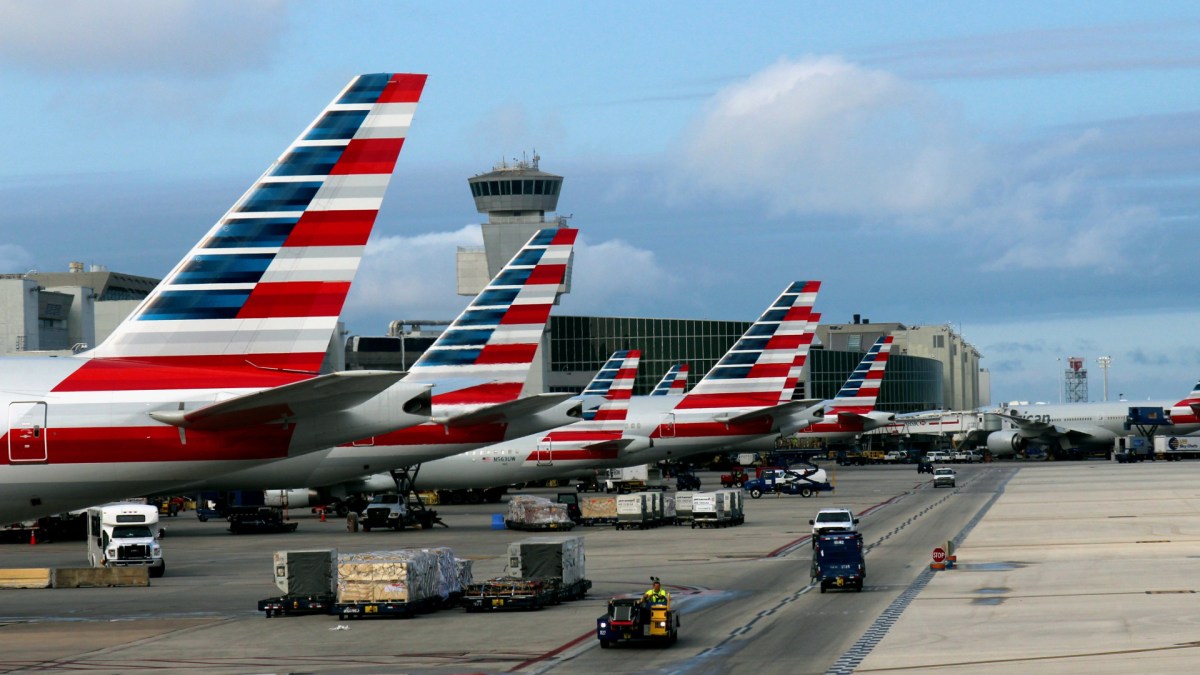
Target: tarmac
{"x": 1076, "y": 567}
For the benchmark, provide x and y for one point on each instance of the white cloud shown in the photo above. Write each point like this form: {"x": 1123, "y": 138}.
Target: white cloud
{"x": 616, "y": 278}
{"x": 408, "y": 278}
{"x": 415, "y": 277}
{"x": 826, "y": 136}
{"x": 140, "y": 36}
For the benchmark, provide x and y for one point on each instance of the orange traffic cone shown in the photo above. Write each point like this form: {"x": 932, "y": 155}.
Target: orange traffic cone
{"x": 322, "y": 515}
{"x": 33, "y": 537}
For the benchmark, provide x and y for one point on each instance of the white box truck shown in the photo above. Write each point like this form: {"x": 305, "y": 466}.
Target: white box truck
{"x": 125, "y": 535}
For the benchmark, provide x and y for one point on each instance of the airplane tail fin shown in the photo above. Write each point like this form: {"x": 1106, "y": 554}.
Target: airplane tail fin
{"x": 806, "y": 340}
{"x": 602, "y": 383}
{"x": 1191, "y": 403}
{"x": 859, "y": 393}
{"x": 262, "y": 291}
{"x": 490, "y": 347}
{"x": 611, "y": 414}
{"x": 755, "y": 371}
{"x": 674, "y": 383}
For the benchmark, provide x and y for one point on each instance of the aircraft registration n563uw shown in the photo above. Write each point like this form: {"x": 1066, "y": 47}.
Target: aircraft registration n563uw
{"x": 218, "y": 368}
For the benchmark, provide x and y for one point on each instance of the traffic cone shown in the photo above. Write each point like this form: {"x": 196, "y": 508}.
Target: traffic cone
{"x": 322, "y": 515}
{"x": 33, "y": 537}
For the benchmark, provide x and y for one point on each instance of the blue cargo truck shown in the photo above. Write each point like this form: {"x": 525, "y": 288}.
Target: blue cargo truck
{"x": 838, "y": 561}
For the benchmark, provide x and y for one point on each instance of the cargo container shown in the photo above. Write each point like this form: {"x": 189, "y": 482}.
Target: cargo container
{"x": 634, "y": 511}
{"x": 710, "y": 509}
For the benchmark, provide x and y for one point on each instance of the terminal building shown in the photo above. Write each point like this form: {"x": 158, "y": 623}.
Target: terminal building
{"x": 930, "y": 368}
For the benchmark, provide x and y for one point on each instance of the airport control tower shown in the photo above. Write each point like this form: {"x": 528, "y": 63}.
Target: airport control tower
{"x": 516, "y": 196}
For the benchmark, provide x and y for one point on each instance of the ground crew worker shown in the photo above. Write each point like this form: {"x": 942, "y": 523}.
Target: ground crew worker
{"x": 656, "y": 595}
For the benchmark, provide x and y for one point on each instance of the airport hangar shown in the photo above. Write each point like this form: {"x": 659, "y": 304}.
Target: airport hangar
{"x": 931, "y": 367}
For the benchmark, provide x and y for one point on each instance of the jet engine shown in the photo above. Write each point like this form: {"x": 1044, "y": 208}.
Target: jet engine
{"x": 296, "y": 499}
{"x": 1004, "y": 443}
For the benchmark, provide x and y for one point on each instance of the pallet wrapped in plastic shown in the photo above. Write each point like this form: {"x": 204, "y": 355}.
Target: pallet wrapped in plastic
{"x": 446, "y": 581}
{"x": 406, "y": 575}
{"x": 466, "y": 572}
{"x": 531, "y": 510}
{"x": 598, "y": 507}
{"x": 560, "y": 557}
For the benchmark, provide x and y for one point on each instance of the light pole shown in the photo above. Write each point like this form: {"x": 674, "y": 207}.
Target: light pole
{"x": 1104, "y": 362}
{"x": 1062, "y": 380}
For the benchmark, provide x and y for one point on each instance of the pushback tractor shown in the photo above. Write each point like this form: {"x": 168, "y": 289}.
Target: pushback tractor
{"x": 636, "y": 620}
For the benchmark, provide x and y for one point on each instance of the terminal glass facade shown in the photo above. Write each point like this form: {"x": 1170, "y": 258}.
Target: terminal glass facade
{"x": 584, "y": 343}
{"x": 910, "y": 383}
{"x": 581, "y": 344}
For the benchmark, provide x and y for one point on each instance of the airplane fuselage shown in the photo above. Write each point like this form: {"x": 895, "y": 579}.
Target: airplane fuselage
{"x": 71, "y": 439}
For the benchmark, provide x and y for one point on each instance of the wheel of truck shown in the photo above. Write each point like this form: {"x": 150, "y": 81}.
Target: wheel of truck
{"x": 474, "y": 497}
{"x": 755, "y": 493}
{"x": 158, "y": 571}
{"x": 740, "y": 483}
{"x": 341, "y": 510}
{"x": 366, "y": 527}
{"x": 806, "y": 492}
{"x": 822, "y": 586}
{"x": 605, "y": 644}
{"x": 203, "y": 519}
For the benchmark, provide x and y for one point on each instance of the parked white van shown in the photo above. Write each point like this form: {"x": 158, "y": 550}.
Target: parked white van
{"x": 125, "y": 535}
{"x": 937, "y": 456}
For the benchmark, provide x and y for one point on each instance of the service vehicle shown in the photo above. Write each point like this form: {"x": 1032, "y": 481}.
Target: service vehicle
{"x": 943, "y": 477}
{"x": 125, "y": 535}
{"x": 632, "y": 478}
{"x": 635, "y": 619}
{"x": 896, "y": 457}
{"x": 967, "y": 456}
{"x": 833, "y": 520}
{"x": 937, "y": 456}
{"x": 838, "y": 561}
{"x": 396, "y": 512}
{"x": 737, "y": 477}
{"x": 258, "y": 520}
{"x": 805, "y": 483}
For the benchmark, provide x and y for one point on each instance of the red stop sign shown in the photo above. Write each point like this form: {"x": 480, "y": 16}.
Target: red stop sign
{"x": 939, "y": 555}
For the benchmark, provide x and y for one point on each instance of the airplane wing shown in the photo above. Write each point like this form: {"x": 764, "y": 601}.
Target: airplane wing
{"x": 504, "y": 412}
{"x": 319, "y": 395}
{"x": 814, "y": 407}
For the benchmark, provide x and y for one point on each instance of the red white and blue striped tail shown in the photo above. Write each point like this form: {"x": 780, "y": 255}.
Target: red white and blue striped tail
{"x": 264, "y": 288}
{"x": 810, "y": 332}
{"x": 674, "y": 383}
{"x": 485, "y": 356}
{"x": 603, "y": 381}
{"x": 859, "y": 393}
{"x": 754, "y": 372}
{"x": 1192, "y": 401}
{"x": 609, "y": 421}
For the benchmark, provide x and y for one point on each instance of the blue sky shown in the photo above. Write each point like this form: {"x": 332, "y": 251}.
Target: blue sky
{"x": 1026, "y": 171}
